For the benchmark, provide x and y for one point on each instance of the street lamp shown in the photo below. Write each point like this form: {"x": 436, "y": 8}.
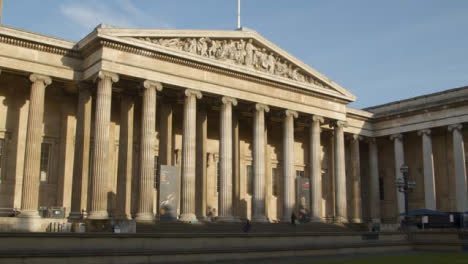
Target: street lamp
{"x": 405, "y": 186}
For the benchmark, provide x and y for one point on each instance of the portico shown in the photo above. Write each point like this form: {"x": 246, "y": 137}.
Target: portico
{"x": 246, "y": 124}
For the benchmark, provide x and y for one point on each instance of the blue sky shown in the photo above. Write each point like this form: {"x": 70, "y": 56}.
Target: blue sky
{"x": 380, "y": 50}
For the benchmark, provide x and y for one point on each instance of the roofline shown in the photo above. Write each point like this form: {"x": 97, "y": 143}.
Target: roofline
{"x": 416, "y": 98}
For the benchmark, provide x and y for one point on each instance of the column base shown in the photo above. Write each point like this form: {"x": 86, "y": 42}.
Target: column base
{"x": 29, "y": 214}
{"x": 98, "y": 215}
{"x": 259, "y": 219}
{"x": 75, "y": 216}
{"x": 188, "y": 218}
{"x": 146, "y": 217}
{"x": 356, "y": 220}
{"x": 341, "y": 220}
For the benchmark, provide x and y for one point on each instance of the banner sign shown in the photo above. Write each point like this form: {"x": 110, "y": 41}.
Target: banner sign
{"x": 303, "y": 190}
{"x": 168, "y": 193}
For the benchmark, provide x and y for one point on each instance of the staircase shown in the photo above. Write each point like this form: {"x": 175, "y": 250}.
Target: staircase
{"x": 233, "y": 228}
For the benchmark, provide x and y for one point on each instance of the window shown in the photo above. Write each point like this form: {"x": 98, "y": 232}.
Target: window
{"x": 156, "y": 171}
{"x": 381, "y": 188}
{"x": 300, "y": 174}
{"x": 45, "y": 158}
{"x": 275, "y": 174}
{"x": 249, "y": 174}
{"x": 2, "y": 154}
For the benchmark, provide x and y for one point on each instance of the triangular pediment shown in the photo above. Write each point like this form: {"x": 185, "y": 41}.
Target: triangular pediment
{"x": 245, "y": 50}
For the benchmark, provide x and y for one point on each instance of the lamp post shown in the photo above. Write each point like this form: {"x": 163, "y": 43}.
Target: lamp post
{"x": 405, "y": 187}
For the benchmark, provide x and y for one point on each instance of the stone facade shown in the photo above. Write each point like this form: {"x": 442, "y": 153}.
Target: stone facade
{"x": 84, "y": 126}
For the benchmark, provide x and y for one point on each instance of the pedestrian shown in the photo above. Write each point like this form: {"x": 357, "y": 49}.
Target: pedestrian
{"x": 293, "y": 219}
{"x": 246, "y": 227}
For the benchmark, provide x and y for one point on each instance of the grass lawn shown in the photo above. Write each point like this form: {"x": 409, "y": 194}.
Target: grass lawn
{"x": 419, "y": 258}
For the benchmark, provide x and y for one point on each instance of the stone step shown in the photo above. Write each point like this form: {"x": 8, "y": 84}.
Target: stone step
{"x": 239, "y": 227}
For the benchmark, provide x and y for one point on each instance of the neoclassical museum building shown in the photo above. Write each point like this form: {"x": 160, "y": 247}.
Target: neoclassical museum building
{"x": 195, "y": 125}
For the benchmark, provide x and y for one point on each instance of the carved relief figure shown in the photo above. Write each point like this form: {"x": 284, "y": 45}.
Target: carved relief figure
{"x": 202, "y": 47}
{"x": 249, "y": 49}
{"x": 238, "y": 51}
{"x": 213, "y": 48}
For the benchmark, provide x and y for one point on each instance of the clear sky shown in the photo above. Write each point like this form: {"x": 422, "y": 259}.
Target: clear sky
{"x": 380, "y": 50}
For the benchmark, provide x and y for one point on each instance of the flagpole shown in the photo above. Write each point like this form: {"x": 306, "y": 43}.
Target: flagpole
{"x": 238, "y": 15}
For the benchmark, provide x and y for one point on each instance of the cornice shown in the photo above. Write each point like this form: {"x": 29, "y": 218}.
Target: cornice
{"x": 39, "y": 46}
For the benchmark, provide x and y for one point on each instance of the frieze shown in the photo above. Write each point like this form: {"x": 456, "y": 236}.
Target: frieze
{"x": 240, "y": 52}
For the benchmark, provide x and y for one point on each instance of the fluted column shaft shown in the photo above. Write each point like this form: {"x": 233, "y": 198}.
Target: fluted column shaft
{"x": 399, "y": 161}
{"x": 125, "y": 166}
{"x": 374, "y": 197}
{"x": 258, "y": 197}
{"x": 356, "y": 180}
{"x": 225, "y": 160}
{"x": 100, "y": 177}
{"x": 459, "y": 166}
{"x": 188, "y": 156}
{"x": 147, "y": 144}
{"x": 288, "y": 164}
{"x": 315, "y": 170}
{"x": 30, "y": 194}
{"x": 340, "y": 173}
{"x": 82, "y": 144}
{"x": 428, "y": 167}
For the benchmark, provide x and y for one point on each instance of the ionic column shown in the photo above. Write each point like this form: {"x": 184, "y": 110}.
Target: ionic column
{"x": 340, "y": 173}
{"x": 399, "y": 161}
{"x": 258, "y": 197}
{"x": 125, "y": 167}
{"x": 82, "y": 143}
{"x": 165, "y": 145}
{"x": 188, "y": 156}
{"x": 100, "y": 176}
{"x": 288, "y": 164}
{"x": 459, "y": 167}
{"x": 374, "y": 193}
{"x": 356, "y": 179}
{"x": 428, "y": 164}
{"x": 225, "y": 160}
{"x": 315, "y": 170}
{"x": 30, "y": 194}
{"x": 201, "y": 161}
{"x": 147, "y": 144}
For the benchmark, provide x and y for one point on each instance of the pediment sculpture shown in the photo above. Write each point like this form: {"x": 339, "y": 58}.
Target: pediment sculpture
{"x": 238, "y": 51}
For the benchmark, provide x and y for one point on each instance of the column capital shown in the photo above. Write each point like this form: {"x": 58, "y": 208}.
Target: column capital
{"x": 398, "y": 136}
{"x": 40, "y": 78}
{"x": 147, "y": 84}
{"x": 339, "y": 123}
{"x": 229, "y": 100}
{"x": 262, "y": 107}
{"x": 190, "y": 92}
{"x": 317, "y": 118}
{"x": 455, "y": 127}
{"x": 102, "y": 75}
{"x": 371, "y": 140}
{"x": 426, "y": 132}
{"x": 355, "y": 137}
{"x": 292, "y": 113}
